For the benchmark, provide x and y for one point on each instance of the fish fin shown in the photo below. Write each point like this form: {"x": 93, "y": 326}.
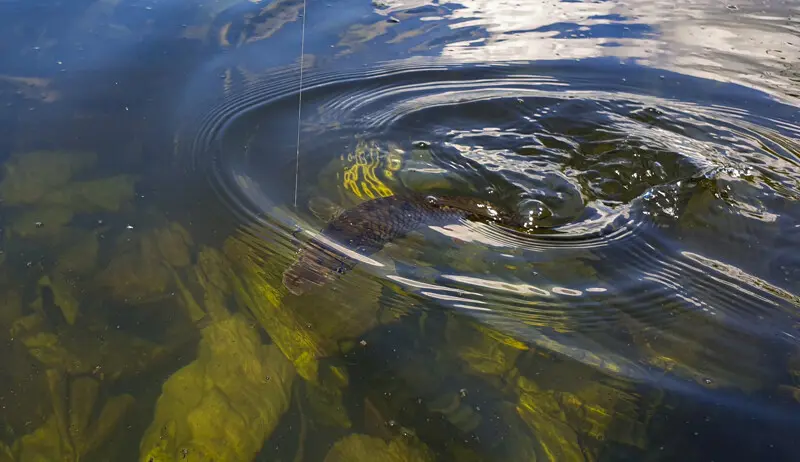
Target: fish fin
{"x": 324, "y": 209}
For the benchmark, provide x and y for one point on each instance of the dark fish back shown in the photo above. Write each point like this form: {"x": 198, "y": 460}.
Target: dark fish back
{"x": 369, "y": 226}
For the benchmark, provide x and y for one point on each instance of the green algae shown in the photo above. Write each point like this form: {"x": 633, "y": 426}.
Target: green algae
{"x": 64, "y": 296}
{"x": 73, "y": 430}
{"x": 80, "y": 256}
{"x": 86, "y": 348}
{"x": 223, "y": 405}
{"x": 41, "y": 223}
{"x": 364, "y": 448}
{"x": 325, "y": 401}
{"x": 29, "y": 177}
{"x": 143, "y": 267}
{"x": 100, "y": 195}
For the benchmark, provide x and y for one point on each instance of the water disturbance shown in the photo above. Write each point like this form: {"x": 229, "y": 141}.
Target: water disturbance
{"x": 470, "y": 231}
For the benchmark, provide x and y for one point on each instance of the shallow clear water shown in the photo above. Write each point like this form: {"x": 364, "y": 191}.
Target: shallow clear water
{"x": 154, "y": 194}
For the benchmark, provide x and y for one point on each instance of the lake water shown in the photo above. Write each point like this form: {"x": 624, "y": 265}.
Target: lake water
{"x": 161, "y": 172}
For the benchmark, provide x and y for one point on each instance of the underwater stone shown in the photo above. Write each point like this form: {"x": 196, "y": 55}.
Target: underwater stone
{"x": 221, "y": 407}
{"x": 27, "y": 177}
{"x": 363, "y": 448}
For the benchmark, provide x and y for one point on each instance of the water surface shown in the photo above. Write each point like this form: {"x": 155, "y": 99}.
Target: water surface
{"x": 154, "y": 192}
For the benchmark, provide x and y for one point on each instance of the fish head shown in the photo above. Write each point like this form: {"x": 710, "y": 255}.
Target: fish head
{"x": 314, "y": 267}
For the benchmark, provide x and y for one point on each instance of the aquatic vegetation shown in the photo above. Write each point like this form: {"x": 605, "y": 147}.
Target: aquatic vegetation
{"x": 793, "y": 389}
{"x": 357, "y": 448}
{"x": 136, "y": 274}
{"x": 75, "y": 428}
{"x": 223, "y": 405}
{"x": 11, "y": 301}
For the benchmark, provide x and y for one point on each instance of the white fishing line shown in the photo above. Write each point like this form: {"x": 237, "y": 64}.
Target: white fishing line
{"x": 300, "y": 104}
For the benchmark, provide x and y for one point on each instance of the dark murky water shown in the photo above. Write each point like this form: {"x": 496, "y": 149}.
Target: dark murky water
{"x": 153, "y": 196}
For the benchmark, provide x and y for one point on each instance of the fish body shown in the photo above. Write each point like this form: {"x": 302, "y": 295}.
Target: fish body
{"x": 366, "y": 228}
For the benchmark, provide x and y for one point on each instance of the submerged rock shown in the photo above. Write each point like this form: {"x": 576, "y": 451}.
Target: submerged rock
{"x": 63, "y": 296}
{"x": 143, "y": 268}
{"x": 109, "y": 354}
{"x": 223, "y": 405}
{"x": 254, "y": 293}
{"x": 101, "y": 195}
{"x": 363, "y": 448}
{"x": 41, "y": 223}
{"x": 325, "y": 401}
{"x": 29, "y": 177}
{"x": 73, "y": 430}
{"x": 173, "y": 242}
{"x": 576, "y": 418}
{"x": 80, "y": 257}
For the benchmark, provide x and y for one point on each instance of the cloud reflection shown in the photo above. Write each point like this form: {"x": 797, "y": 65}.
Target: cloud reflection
{"x": 755, "y": 44}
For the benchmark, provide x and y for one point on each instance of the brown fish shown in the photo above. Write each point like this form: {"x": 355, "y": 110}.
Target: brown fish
{"x": 366, "y": 228}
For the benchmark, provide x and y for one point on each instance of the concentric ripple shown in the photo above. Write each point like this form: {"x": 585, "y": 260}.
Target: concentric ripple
{"x": 640, "y": 207}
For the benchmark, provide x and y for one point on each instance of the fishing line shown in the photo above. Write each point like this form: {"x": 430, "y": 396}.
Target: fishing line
{"x": 300, "y": 104}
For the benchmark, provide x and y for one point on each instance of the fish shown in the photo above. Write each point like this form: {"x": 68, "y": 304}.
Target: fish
{"x": 365, "y": 229}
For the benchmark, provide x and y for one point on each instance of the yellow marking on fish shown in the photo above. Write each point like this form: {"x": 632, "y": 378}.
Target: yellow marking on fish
{"x": 361, "y": 177}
